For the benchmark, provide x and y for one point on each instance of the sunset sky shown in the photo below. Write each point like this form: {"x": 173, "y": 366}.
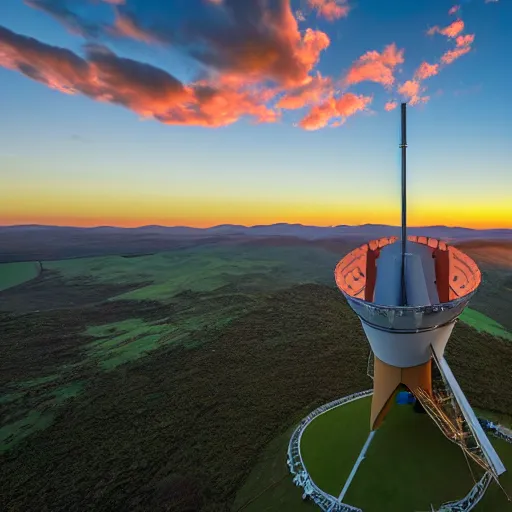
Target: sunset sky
{"x": 204, "y": 112}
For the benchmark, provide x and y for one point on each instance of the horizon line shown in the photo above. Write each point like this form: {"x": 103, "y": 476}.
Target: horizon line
{"x": 35, "y": 225}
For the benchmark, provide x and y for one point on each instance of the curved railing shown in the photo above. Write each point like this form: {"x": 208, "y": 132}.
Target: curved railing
{"x": 329, "y": 503}
{"x": 471, "y": 499}
{"x": 301, "y": 477}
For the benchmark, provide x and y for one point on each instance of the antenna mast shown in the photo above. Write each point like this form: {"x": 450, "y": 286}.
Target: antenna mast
{"x": 403, "y": 147}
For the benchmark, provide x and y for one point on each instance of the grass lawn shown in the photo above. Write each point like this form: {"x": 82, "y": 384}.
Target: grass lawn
{"x": 12, "y": 274}
{"x": 398, "y": 474}
{"x": 481, "y": 322}
{"x": 332, "y": 442}
{"x": 409, "y": 466}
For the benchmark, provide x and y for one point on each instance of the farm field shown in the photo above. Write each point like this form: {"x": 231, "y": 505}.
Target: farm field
{"x": 167, "y": 374}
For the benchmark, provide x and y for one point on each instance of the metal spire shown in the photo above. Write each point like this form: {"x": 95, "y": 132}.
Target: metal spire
{"x": 403, "y": 147}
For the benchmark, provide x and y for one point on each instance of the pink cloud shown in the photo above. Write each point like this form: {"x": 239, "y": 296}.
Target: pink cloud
{"x": 126, "y": 27}
{"x": 465, "y": 40}
{"x": 330, "y": 9}
{"x": 270, "y": 48}
{"x": 390, "y": 105}
{"x": 319, "y": 116}
{"x": 411, "y": 89}
{"x": 454, "y": 9}
{"x": 257, "y": 40}
{"x": 149, "y": 91}
{"x": 376, "y": 67}
{"x": 345, "y": 106}
{"x": 311, "y": 93}
{"x": 426, "y": 70}
{"x": 350, "y": 103}
{"x": 452, "y": 30}
{"x": 451, "y": 55}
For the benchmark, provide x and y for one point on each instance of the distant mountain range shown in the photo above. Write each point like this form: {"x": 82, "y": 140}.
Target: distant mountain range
{"x": 366, "y": 231}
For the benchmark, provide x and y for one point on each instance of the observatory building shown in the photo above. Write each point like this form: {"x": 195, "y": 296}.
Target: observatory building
{"x": 408, "y": 292}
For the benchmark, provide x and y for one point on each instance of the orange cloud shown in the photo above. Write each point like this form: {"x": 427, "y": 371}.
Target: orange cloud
{"x": 451, "y": 55}
{"x": 454, "y": 9}
{"x": 376, "y": 67}
{"x": 465, "y": 40}
{"x": 426, "y": 70}
{"x": 412, "y": 90}
{"x": 452, "y": 30}
{"x": 330, "y": 9}
{"x": 145, "y": 89}
{"x": 311, "y": 93}
{"x": 319, "y": 116}
{"x": 390, "y": 105}
{"x": 347, "y": 105}
{"x": 350, "y": 103}
{"x": 253, "y": 40}
{"x": 258, "y": 40}
{"x": 126, "y": 27}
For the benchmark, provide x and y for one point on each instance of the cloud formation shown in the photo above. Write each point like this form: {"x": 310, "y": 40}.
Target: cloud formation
{"x": 452, "y": 30}
{"x": 125, "y": 26}
{"x": 465, "y": 40}
{"x": 145, "y": 89}
{"x": 390, "y": 105}
{"x": 376, "y": 67}
{"x": 426, "y": 70}
{"x": 249, "y": 57}
{"x": 412, "y": 90}
{"x": 330, "y": 9}
{"x": 309, "y": 94}
{"x": 451, "y": 55}
{"x": 345, "y": 106}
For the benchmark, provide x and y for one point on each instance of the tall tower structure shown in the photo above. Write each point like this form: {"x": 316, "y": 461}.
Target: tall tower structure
{"x": 408, "y": 292}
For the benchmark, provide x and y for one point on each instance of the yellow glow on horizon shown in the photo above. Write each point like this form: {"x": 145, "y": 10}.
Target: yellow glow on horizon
{"x": 99, "y": 209}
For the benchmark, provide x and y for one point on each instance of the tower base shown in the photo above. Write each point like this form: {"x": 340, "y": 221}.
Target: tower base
{"x": 387, "y": 379}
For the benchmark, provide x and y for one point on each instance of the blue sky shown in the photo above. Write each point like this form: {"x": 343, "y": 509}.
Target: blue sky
{"x": 85, "y": 160}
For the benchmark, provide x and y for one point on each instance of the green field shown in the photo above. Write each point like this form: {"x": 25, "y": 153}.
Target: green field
{"x": 483, "y": 323}
{"x": 13, "y": 274}
{"x": 167, "y": 375}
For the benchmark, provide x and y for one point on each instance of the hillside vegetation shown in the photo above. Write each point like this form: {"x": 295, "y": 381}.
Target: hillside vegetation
{"x": 156, "y": 382}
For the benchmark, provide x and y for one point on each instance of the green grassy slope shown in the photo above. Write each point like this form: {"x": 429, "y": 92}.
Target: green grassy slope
{"x": 13, "y": 274}
{"x": 204, "y": 269}
{"x": 483, "y": 323}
